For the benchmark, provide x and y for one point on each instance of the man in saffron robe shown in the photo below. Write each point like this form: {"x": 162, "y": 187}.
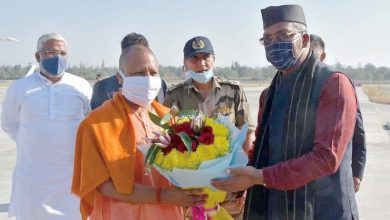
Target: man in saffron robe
{"x": 105, "y": 89}
{"x": 109, "y": 171}
{"x": 301, "y": 168}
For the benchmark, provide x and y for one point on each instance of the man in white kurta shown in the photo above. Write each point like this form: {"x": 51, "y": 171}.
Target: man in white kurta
{"x": 41, "y": 112}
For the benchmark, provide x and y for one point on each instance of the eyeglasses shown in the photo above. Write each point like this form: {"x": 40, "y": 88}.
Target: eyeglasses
{"x": 54, "y": 53}
{"x": 281, "y": 36}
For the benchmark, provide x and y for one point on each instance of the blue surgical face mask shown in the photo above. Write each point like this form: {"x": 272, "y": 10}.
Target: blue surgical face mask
{"x": 54, "y": 66}
{"x": 202, "y": 77}
{"x": 281, "y": 54}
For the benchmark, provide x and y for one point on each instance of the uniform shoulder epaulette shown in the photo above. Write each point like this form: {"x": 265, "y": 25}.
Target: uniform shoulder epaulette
{"x": 179, "y": 85}
{"x": 229, "y": 82}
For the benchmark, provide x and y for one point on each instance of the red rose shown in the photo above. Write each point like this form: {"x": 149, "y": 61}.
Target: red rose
{"x": 207, "y": 129}
{"x": 177, "y": 143}
{"x": 194, "y": 145}
{"x": 206, "y": 138}
{"x": 167, "y": 149}
{"x": 184, "y": 127}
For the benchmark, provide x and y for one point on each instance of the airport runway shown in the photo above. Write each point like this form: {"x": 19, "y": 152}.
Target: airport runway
{"x": 374, "y": 195}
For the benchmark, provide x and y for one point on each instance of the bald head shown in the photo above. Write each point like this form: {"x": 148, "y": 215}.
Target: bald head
{"x": 138, "y": 60}
{"x": 135, "y": 50}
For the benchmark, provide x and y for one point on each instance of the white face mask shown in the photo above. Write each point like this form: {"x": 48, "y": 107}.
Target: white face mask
{"x": 141, "y": 90}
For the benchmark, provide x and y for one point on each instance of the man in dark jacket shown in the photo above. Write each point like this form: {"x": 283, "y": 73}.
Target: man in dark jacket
{"x": 301, "y": 168}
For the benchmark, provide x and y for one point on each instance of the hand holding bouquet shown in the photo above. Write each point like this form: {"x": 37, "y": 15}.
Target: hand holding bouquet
{"x": 195, "y": 149}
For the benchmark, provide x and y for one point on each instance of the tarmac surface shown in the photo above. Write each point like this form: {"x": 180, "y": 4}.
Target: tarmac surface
{"x": 374, "y": 195}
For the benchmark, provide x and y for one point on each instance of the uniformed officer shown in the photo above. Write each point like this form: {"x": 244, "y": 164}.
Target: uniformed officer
{"x": 205, "y": 92}
{"x": 209, "y": 94}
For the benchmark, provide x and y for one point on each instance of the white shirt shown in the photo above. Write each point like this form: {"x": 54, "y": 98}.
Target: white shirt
{"x": 42, "y": 118}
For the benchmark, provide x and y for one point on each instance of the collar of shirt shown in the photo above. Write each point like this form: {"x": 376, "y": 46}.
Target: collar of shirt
{"x": 191, "y": 85}
{"x": 42, "y": 77}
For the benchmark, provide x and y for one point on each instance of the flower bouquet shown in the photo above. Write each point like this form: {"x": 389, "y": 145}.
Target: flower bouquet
{"x": 192, "y": 150}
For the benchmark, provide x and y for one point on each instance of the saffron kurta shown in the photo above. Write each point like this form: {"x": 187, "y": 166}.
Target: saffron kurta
{"x": 42, "y": 118}
{"x": 107, "y": 148}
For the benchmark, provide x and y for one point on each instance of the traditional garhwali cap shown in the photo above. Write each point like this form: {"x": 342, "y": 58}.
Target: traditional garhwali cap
{"x": 283, "y": 13}
{"x": 197, "y": 45}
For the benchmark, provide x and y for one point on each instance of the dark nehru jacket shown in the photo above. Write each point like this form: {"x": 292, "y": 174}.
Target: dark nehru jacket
{"x": 359, "y": 150}
{"x": 104, "y": 90}
{"x": 309, "y": 175}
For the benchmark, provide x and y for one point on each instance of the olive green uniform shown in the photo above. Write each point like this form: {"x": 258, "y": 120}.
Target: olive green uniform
{"x": 226, "y": 97}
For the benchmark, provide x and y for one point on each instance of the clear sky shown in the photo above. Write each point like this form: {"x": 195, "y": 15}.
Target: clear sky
{"x": 355, "y": 31}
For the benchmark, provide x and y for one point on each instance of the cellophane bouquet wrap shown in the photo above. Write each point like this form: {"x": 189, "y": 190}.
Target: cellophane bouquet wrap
{"x": 192, "y": 150}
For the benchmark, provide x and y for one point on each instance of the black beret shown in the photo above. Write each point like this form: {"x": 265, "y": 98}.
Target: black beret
{"x": 283, "y": 13}
{"x": 196, "y": 45}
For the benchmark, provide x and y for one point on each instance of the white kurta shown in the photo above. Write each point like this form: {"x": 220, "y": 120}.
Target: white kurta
{"x": 42, "y": 118}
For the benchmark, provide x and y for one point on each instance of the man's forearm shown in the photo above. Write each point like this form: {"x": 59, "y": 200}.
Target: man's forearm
{"x": 140, "y": 195}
